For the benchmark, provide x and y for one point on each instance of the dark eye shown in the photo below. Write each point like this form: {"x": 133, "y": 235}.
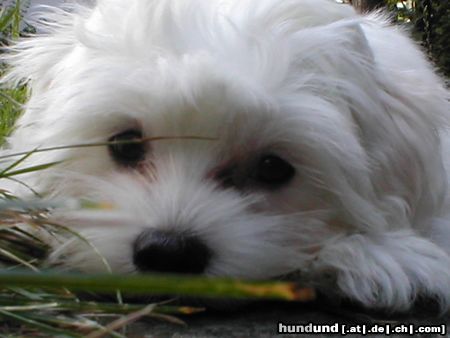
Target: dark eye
{"x": 273, "y": 171}
{"x": 226, "y": 178}
{"x": 127, "y": 154}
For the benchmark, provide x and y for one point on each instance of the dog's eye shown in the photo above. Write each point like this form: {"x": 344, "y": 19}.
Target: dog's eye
{"x": 127, "y": 154}
{"x": 273, "y": 171}
{"x": 226, "y": 178}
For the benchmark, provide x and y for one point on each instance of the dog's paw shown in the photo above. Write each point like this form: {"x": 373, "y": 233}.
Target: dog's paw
{"x": 387, "y": 271}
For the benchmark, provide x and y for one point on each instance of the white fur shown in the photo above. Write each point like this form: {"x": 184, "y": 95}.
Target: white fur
{"x": 349, "y": 100}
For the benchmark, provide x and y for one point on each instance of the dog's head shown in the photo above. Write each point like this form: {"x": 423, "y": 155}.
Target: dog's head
{"x": 272, "y": 129}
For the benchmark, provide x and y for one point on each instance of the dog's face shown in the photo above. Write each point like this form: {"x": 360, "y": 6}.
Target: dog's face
{"x": 230, "y": 191}
{"x": 276, "y": 138}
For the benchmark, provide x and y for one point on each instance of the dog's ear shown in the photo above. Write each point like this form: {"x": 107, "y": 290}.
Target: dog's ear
{"x": 335, "y": 49}
{"x": 357, "y": 41}
{"x": 37, "y": 59}
{"x": 395, "y": 110}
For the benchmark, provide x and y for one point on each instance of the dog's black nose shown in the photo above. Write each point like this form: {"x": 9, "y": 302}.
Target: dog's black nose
{"x": 169, "y": 251}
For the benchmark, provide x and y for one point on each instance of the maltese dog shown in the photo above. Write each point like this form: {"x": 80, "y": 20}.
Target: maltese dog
{"x": 256, "y": 139}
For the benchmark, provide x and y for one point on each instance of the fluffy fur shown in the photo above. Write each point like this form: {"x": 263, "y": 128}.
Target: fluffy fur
{"x": 349, "y": 100}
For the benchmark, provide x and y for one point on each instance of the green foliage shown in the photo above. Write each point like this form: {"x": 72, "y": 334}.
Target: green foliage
{"x": 10, "y": 107}
{"x": 432, "y": 23}
{"x": 402, "y": 12}
{"x": 10, "y": 99}
{"x": 10, "y": 20}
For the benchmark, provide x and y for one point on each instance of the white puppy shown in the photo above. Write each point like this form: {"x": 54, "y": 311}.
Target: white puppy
{"x": 318, "y": 149}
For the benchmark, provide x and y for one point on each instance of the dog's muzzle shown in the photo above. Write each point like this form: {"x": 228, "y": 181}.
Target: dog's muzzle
{"x": 169, "y": 251}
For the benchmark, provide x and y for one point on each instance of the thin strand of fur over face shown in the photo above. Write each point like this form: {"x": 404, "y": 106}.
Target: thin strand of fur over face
{"x": 359, "y": 142}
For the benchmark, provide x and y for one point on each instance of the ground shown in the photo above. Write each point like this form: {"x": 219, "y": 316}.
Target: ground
{"x": 261, "y": 320}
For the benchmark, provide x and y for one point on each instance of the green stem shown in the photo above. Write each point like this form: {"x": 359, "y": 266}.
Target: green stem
{"x": 159, "y": 285}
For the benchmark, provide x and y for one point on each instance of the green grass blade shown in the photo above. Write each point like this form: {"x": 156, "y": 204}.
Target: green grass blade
{"x": 33, "y": 323}
{"x": 30, "y": 169}
{"x": 6, "y": 18}
{"x": 159, "y": 285}
{"x": 102, "y": 144}
{"x": 16, "y": 163}
{"x": 8, "y": 98}
{"x": 122, "y": 322}
{"x": 17, "y": 18}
